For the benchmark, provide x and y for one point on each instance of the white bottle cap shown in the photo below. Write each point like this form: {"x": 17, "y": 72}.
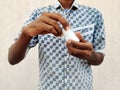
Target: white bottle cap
{"x": 69, "y": 34}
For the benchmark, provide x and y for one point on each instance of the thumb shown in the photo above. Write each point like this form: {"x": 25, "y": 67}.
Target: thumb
{"x": 80, "y": 37}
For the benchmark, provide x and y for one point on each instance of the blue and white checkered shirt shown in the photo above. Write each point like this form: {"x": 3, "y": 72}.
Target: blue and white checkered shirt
{"x": 58, "y": 70}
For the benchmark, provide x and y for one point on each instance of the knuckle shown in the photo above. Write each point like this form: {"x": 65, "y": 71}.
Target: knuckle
{"x": 55, "y": 23}
{"x": 50, "y": 28}
{"x": 88, "y": 53}
{"x": 90, "y": 46}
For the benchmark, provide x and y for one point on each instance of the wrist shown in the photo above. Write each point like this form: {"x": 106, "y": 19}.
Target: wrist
{"x": 95, "y": 58}
{"x": 25, "y": 34}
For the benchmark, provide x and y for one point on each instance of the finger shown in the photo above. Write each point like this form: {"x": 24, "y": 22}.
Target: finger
{"x": 44, "y": 32}
{"x": 80, "y": 37}
{"x": 58, "y": 18}
{"x": 47, "y": 28}
{"x": 80, "y": 45}
{"x": 83, "y": 54}
{"x": 53, "y": 23}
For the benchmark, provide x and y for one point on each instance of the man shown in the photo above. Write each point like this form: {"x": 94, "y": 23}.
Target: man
{"x": 63, "y": 65}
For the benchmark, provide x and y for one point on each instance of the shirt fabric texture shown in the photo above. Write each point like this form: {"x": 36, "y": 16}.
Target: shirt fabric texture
{"x": 58, "y": 70}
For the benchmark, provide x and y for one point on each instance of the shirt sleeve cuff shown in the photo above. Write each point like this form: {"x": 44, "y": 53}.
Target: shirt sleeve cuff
{"x": 101, "y": 51}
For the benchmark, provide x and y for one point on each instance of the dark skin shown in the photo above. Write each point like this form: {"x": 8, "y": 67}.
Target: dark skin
{"x": 84, "y": 50}
{"x": 48, "y": 23}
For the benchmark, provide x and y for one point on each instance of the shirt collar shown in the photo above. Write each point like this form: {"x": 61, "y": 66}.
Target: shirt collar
{"x": 58, "y": 5}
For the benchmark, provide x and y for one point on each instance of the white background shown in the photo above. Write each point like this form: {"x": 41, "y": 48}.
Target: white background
{"x": 24, "y": 76}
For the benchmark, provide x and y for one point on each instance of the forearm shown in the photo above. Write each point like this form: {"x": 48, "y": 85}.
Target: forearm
{"x": 95, "y": 58}
{"x": 18, "y": 49}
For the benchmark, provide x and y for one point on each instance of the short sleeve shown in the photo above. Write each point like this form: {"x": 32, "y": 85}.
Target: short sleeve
{"x": 32, "y": 17}
{"x": 99, "y": 34}
{"x": 34, "y": 40}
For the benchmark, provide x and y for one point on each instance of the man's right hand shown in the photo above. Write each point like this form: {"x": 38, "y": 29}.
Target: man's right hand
{"x": 46, "y": 23}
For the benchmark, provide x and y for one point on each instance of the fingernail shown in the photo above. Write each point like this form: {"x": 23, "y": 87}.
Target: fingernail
{"x": 68, "y": 27}
{"x": 69, "y": 41}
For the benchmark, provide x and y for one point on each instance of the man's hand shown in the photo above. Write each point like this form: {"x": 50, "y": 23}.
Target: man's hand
{"x": 81, "y": 49}
{"x": 46, "y": 23}
{"x": 84, "y": 50}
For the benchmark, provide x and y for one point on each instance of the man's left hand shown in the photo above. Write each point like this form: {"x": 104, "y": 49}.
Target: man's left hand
{"x": 82, "y": 49}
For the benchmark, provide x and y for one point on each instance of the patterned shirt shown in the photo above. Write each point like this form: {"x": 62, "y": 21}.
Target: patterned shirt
{"x": 58, "y": 70}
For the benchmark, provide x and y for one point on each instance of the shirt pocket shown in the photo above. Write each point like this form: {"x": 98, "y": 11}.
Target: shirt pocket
{"x": 86, "y": 31}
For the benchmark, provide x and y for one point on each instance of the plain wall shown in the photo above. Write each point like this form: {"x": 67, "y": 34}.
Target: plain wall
{"x": 24, "y": 76}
